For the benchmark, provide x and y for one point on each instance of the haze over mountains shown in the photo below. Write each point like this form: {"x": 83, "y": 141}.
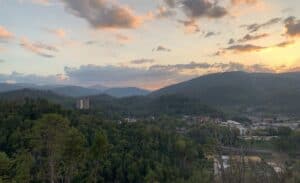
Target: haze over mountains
{"x": 76, "y": 91}
{"x": 229, "y": 91}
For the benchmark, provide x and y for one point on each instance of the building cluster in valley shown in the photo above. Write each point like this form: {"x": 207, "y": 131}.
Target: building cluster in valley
{"x": 248, "y": 128}
{"x": 247, "y": 131}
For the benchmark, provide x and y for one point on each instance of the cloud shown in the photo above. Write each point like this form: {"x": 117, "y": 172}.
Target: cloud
{"x": 181, "y": 67}
{"x": 38, "y": 48}
{"x": 42, "y": 2}
{"x": 91, "y": 42}
{"x": 292, "y": 26}
{"x": 162, "y": 48}
{"x": 16, "y": 77}
{"x": 236, "y": 2}
{"x": 208, "y": 67}
{"x": 171, "y": 3}
{"x": 123, "y": 76}
{"x": 5, "y": 34}
{"x": 196, "y": 9}
{"x": 256, "y": 26}
{"x": 190, "y": 26}
{"x": 142, "y": 61}
{"x": 231, "y": 41}
{"x": 245, "y": 48}
{"x": 122, "y": 38}
{"x": 152, "y": 77}
{"x": 240, "y": 48}
{"x": 234, "y": 66}
{"x": 210, "y": 34}
{"x": 39, "y": 2}
{"x": 202, "y": 8}
{"x": 60, "y": 33}
{"x": 250, "y": 37}
{"x": 285, "y": 43}
{"x": 219, "y": 53}
{"x": 163, "y": 12}
{"x": 102, "y": 14}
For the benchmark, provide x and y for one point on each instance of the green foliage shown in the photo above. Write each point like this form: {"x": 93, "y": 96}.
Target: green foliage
{"x": 5, "y": 164}
{"x": 23, "y": 163}
{"x": 49, "y": 144}
{"x": 289, "y": 143}
{"x": 41, "y": 142}
{"x": 210, "y": 134}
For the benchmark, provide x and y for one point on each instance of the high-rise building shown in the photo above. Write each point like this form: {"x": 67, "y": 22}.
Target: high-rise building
{"x": 83, "y": 104}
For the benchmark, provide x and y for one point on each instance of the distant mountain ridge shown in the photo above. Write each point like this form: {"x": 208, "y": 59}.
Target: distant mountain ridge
{"x": 76, "y": 91}
{"x": 22, "y": 94}
{"x": 230, "y": 91}
{"x": 126, "y": 92}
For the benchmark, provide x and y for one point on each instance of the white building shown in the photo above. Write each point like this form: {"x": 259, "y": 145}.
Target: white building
{"x": 83, "y": 104}
{"x": 233, "y": 124}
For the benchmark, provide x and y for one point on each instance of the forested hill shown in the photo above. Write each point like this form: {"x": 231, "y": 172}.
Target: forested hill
{"x": 126, "y": 92}
{"x": 76, "y": 91}
{"x": 112, "y": 107}
{"x": 280, "y": 91}
{"x": 141, "y": 106}
{"x": 23, "y": 94}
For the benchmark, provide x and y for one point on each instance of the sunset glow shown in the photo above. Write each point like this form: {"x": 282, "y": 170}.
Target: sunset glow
{"x": 143, "y": 43}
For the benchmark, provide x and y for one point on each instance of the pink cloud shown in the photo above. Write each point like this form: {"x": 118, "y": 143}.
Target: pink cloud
{"x": 60, "y": 33}
{"x": 235, "y": 2}
{"x": 5, "y": 34}
{"x": 38, "y": 48}
{"x": 122, "y": 38}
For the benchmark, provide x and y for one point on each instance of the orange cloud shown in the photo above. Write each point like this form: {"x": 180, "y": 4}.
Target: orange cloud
{"x": 38, "y": 48}
{"x": 122, "y": 38}
{"x": 245, "y": 48}
{"x": 61, "y": 33}
{"x": 235, "y": 2}
{"x": 250, "y": 37}
{"x": 42, "y": 2}
{"x": 190, "y": 26}
{"x": 285, "y": 44}
{"x": 5, "y": 34}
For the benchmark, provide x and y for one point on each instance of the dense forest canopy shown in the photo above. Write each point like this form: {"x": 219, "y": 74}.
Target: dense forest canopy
{"x": 43, "y": 142}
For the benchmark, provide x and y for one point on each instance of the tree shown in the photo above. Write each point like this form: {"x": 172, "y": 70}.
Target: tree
{"x": 284, "y": 131}
{"x": 73, "y": 153}
{"x": 23, "y": 164}
{"x": 98, "y": 152}
{"x": 4, "y": 167}
{"x": 49, "y": 134}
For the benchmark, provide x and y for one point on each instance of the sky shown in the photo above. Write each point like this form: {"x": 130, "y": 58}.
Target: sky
{"x": 144, "y": 43}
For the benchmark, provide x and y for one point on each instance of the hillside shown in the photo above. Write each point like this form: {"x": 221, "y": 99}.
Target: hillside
{"x": 75, "y": 91}
{"x": 113, "y": 107}
{"x": 6, "y": 87}
{"x": 21, "y": 95}
{"x": 126, "y": 92}
{"x": 278, "y": 92}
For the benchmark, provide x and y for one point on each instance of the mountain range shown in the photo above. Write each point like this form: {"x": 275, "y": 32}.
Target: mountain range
{"x": 229, "y": 91}
{"x": 77, "y": 91}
